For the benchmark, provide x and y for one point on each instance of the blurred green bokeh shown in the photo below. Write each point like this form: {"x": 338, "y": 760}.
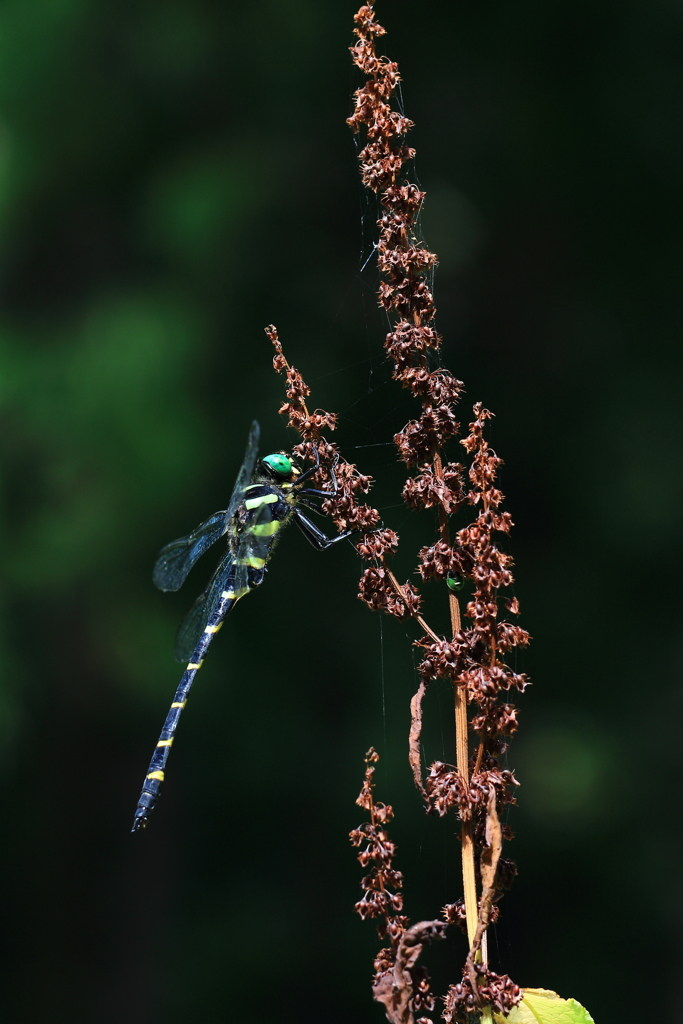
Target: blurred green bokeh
{"x": 173, "y": 177}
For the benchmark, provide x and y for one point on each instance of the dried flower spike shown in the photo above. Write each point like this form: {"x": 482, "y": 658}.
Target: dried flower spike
{"x": 472, "y": 659}
{"x": 399, "y": 984}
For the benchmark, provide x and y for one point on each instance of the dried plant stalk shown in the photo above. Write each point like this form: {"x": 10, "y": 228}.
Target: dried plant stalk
{"x": 400, "y": 985}
{"x": 473, "y": 659}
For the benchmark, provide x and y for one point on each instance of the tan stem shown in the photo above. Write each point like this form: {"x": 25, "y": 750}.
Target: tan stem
{"x": 461, "y": 738}
{"x": 462, "y": 757}
{"x": 399, "y": 590}
{"x": 469, "y": 882}
{"x": 480, "y": 755}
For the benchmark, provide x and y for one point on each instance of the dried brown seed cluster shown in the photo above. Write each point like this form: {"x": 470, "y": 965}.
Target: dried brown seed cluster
{"x": 404, "y": 293}
{"x": 427, "y": 489}
{"x": 399, "y": 984}
{"x": 343, "y": 508}
{"x": 403, "y": 260}
{"x": 446, "y": 788}
{"x": 473, "y": 659}
{"x": 404, "y": 263}
{"x": 380, "y": 594}
{"x": 307, "y": 424}
{"x": 455, "y": 913}
{"x": 494, "y": 990}
{"x": 381, "y": 895}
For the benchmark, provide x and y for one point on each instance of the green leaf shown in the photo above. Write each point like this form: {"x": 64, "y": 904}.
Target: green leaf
{"x": 540, "y": 1006}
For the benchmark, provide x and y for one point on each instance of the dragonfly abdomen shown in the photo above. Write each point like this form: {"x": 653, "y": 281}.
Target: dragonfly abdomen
{"x": 155, "y": 772}
{"x": 154, "y": 778}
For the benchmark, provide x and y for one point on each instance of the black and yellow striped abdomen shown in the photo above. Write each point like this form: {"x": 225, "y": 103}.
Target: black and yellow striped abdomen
{"x": 252, "y": 534}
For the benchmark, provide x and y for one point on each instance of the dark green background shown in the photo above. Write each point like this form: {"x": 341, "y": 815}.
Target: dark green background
{"x": 174, "y": 175}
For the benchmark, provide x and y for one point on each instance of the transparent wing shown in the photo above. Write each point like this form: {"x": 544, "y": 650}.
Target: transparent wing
{"x": 177, "y": 558}
{"x": 246, "y": 470}
{"x": 194, "y": 623}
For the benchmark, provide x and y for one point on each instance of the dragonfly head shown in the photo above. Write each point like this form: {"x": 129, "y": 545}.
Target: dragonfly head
{"x": 279, "y": 467}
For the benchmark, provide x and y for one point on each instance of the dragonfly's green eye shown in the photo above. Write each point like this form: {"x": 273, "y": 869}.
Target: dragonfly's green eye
{"x": 455, "y": 582}
{"x": 280, "y": 464}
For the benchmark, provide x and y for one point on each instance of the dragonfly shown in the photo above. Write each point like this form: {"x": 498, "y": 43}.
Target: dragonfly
{"x": 268, "y": 494}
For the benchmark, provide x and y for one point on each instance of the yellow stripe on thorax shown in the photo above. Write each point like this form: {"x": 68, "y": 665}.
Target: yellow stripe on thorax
{"x": 265, "y": 529}
{"x": 264, "y": 499}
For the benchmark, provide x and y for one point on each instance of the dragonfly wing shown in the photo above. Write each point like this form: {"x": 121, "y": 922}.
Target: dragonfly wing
{"x": 194, "y": 623}
{"x": 246, "y": 470}
{"x": 177, "y": 558}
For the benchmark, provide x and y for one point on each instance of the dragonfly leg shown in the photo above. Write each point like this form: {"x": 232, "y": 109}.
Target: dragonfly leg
{"x": 316, "y": 536}
{"x": 317, "y": 494}
{"x": 313, "y": 469}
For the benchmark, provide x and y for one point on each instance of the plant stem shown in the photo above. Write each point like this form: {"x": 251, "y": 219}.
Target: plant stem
{"x": 461, "y": 737}
{"x": 468, "y": 875}
{"x": 399, "y": 590}
{"x": 461, "y": 746}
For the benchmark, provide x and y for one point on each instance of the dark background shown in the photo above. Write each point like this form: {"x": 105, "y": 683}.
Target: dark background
{"x": 174, "y": 176}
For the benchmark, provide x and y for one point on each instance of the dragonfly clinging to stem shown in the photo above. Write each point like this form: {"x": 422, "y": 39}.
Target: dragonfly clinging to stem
{"x": 268, "y": 494}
